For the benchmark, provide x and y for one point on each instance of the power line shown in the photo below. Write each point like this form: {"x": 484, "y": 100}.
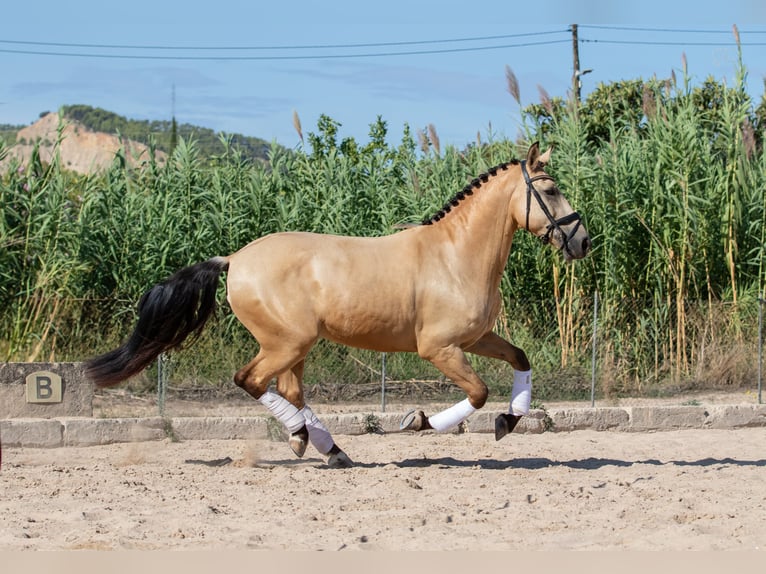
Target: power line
{"x": 675, "y": 31}
{"x": 217, "y": 52}
{"x": 669, "y": 30}
{"x": 281, "y": 57}
{"x": 282, "y": 47}
{"x": 668, "y": 43}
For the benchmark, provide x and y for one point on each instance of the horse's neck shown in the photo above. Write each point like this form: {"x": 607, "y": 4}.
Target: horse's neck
{"x": 482, "y": 231}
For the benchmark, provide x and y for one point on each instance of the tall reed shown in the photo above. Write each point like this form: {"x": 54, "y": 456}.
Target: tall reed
{"x": 669, "y": 180}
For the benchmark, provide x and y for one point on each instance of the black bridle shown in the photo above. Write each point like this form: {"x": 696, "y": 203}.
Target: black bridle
{"x": 554, "y": 224}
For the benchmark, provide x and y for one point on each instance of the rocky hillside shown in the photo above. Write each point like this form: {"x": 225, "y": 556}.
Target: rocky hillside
{"x": 82, "y": 151}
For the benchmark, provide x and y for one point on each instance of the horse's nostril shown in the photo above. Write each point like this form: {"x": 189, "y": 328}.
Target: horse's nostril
{"x": 585, "y": 245}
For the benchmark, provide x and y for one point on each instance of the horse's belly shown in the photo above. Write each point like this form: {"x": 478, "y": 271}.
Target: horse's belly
{"x": 370, "y": 332}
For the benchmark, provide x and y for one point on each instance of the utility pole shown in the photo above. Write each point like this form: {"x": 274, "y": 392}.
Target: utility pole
{"x": 173, "y": 124}
{"x": 577, "y": 73}
{"x": 576, "y": 64}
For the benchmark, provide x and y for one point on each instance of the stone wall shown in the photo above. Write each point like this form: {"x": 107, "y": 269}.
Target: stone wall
{"x": 44, "y": 390}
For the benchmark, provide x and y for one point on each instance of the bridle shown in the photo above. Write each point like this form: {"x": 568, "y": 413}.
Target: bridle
{"x": 554, "y": 224}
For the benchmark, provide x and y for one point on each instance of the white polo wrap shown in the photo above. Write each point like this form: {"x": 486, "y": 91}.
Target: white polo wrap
{"x": 452, "y": 416}
{"x": 521, "y": 394}
{"x": 284, "y": 411}
{"x": 319, "y": 436}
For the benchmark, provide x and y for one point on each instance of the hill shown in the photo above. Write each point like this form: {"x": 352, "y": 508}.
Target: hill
{"x": 92, "y": 136}
{"x": 161, "y": 131}
{"x": 81, "y": 150}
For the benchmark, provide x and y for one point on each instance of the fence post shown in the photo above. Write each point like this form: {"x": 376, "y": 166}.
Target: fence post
{"x": 593, "y": 358}
{"x": 383, "y": 383}
{"x": 162, "y": 377}
{"x": 760, "y": 349}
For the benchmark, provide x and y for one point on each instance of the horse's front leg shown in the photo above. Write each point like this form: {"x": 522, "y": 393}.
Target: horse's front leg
{"x": 451, "y": 361}
{"x": 290, "y": 386}
{"x": 494, "y": 346}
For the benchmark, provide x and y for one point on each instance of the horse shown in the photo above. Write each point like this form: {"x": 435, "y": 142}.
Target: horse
{"x": 290, "y": 289}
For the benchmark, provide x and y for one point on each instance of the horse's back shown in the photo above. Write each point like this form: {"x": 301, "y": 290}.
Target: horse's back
{"x": 316, "y": 256}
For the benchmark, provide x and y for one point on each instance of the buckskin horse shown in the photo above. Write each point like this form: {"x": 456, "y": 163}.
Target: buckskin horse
{"x": 290, "y": 289}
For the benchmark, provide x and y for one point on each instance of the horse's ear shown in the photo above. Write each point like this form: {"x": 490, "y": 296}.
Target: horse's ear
{"x": 545, "y": 158}
{"x": 535, "y": 160}
{"x": 533, "y": 155}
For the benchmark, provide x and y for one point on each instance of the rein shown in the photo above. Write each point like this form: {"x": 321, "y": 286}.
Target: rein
{"x": 554, "y": 224}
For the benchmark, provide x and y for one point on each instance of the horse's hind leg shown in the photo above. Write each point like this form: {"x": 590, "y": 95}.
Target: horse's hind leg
{"x": 494, "y": 346}
{"x": 290, "y": 386}
{"x": 255, "y": 378}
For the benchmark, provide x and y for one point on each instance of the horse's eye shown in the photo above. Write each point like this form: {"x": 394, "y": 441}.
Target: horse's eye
{"x": 551, "y": 191}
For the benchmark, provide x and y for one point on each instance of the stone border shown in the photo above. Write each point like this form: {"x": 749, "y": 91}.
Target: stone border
{"x": 80, "y": 431}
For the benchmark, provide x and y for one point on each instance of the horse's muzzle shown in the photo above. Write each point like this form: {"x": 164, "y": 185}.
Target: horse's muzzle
{"x": 575, "y": 246}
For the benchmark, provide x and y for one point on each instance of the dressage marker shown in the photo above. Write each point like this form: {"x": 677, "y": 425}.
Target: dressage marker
{"x": 292, "y": 289}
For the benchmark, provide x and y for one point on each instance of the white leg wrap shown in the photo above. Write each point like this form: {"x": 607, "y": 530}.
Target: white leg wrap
{"x": 452, "y": 416}
{"x": 521, "y": 394}
{"x": 283, "y": 410}
{"x": 319, "y": 436}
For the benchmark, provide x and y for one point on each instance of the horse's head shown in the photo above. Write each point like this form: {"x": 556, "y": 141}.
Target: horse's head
{"x": 544, "y": 211}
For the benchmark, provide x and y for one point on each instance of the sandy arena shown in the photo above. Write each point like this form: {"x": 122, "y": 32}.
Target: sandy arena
{"x": 674, "y": 490}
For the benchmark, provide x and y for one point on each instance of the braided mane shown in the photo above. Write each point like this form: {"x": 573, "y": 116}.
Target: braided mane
{"x": 466, "y": 191}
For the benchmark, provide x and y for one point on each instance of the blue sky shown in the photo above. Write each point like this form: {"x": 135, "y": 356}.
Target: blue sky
{"x": 460, "y": 89}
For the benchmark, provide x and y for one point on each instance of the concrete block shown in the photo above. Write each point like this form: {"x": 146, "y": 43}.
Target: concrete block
{"x": 90, "y": 432}
{"x": 76, "y": 391}
{"x": 484, "y": 422}
{"x": 389, "y": 422}
{"x": 600, "y": 419}
{"x": 31, "y": 433}
{"x": 667, "y": 417}
{"x": 479, "y": 422}
{"x": 533, "y": 423}
{"x": 352, "y": 424}
{"x": 736, "y": 416}
{"x": 196, "y": 428}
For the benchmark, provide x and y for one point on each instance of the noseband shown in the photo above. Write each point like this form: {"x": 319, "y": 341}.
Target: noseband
{"x": 554, "y": 224}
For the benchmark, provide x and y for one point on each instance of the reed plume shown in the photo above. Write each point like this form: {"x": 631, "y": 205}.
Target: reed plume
{"x": 512, "y": 84}
{"x": 545, "y": 99}
{"x": 434, "y": 137}
{"x": 297, "y": 124}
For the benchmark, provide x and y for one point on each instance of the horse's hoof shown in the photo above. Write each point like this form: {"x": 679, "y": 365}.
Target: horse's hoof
{"x": 299, "y": 441}
{"x": 414, "y": 421}
{"x": 504, "y": 424}
{"x": 339, "y": 460}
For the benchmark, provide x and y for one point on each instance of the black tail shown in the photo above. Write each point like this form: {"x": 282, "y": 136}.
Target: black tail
{"x": 167, "y": 314}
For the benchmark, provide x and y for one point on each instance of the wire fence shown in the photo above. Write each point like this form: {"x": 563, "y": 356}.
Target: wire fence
{"x": 585, "y": 349}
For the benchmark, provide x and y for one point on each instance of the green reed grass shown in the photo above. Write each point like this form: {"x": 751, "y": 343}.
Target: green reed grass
{"x": 674, "y": 202}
